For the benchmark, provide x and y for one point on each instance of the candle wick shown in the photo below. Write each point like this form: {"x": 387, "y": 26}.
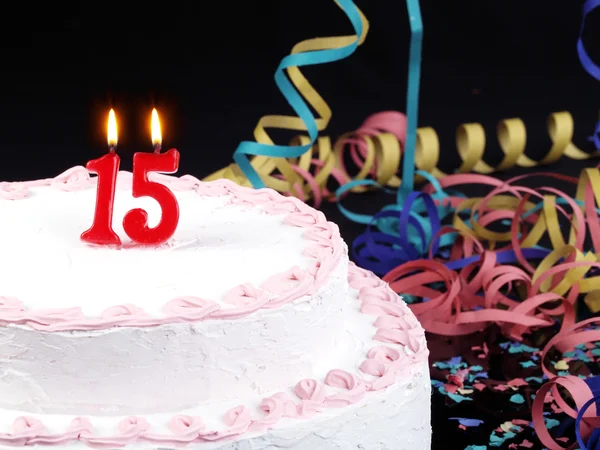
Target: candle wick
{"x": 112, "y": 149}
{"x": 157, "y": 148}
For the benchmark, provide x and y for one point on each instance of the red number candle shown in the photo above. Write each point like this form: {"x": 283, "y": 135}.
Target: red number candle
{"x": 135, "y": 222}
{"x": 106, "y": 168}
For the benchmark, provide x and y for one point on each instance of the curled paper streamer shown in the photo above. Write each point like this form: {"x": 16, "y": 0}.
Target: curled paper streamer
{"x": 309, "y": 164}
{"x": 377, "y": 147}
{"x": 292, "y": 175}
{"x": 585, "y": 394}
{"x": 590, "y": 66}
{"x": 301, "y": 96}
{"x": 412, "y": 96}
{"x": 488, "y": 266}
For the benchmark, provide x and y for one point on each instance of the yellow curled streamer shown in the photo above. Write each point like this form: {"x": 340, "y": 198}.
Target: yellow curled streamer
{"x": 512, "y": 137}
{"x": 381, "y": 159}
{"x": 580, "y": 276}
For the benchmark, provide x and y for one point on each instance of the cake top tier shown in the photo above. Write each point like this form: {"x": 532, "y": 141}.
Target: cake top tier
{"x": 235, "y": 251}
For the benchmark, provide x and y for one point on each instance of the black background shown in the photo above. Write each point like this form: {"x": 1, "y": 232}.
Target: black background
{"x": 208, "y": 67}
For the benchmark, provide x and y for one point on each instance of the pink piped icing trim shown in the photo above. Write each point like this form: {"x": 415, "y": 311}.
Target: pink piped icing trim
{"x": 324, "y": 245}
{"x": 402, "y": 353}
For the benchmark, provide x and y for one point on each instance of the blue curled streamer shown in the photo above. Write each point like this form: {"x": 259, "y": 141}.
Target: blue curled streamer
{"x": 590, "y": 66}
{"x": 412, "y": 97}
{"x": 404, "y": 234}
{"x": 594, "y": 439}
{"x": 300, "y": 107}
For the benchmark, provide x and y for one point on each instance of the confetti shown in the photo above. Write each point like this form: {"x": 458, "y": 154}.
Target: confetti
{"x": 551, "y": 423}
{"x": 561, "y": 365}
{"x": 518, "y": 399}
{"x": 507, "y": 426}
{"x": 497, "y": 441}
{"x": 534, "y": 380}
{"x": 526, "y": 364}
{"x": 459, "y": 398}
{"x": 467, "y": 422}
{"x": 517, "y": 347}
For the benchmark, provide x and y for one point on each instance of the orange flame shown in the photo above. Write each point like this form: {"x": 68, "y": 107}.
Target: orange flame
{"x": 156, "y": 133}
{"x": 112, "y": 129}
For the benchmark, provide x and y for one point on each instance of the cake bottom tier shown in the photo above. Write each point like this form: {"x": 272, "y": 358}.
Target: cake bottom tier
{"x": 378, "y": 400}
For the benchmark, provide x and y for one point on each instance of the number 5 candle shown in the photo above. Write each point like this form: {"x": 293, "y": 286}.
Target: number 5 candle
{"x": 136, "y": 220}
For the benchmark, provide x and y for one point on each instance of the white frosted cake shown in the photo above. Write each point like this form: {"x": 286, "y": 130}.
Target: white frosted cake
{"x": 248, "y": 329}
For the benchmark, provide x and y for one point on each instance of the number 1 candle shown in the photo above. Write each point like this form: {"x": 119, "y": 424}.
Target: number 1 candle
{"x": 106, "y": 167}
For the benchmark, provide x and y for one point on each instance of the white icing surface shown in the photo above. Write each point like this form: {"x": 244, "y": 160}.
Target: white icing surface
{"x": 397, "y": 418}
{"x": 121, "y": 370}
{"x": 215, "y": 248}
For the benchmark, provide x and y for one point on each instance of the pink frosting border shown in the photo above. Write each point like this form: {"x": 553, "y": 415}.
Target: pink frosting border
{"x": 325, "y": 246}
{"x": 384, "y": 365}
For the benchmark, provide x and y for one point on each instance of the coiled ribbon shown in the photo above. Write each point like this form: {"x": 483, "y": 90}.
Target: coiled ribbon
{"x": 300, "y": 94}
{"x": 584, "y": 393}
{"x": 588, "y": 64}
{"x": 310, "y": 165}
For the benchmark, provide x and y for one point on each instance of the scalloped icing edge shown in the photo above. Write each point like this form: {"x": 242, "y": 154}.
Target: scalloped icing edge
{"x": 384, "y": 364}
{"x": 324, "y": 245}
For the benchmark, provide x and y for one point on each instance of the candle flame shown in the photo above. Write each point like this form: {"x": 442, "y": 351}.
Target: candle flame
{"x": 112, "y": 129}
{"x": 156, "y": 134}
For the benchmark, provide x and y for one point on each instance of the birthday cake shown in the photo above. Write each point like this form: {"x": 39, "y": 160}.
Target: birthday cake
{"x": 249, "y": 328}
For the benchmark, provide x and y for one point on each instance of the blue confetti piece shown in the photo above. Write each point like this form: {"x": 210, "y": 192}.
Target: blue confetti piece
{"x": 409, "y": 298}
{"x": 518, "y": 399}
{"x": 527, "y": 364}
{"x": 504, "y": 345}
{"x": 454, "y": 364}
{"x": 441, "y": 365}
{"x": 476, "y": 447}
{"x": 585, "y": 358}
{"x": 481, "y": 375}
{"x": 497, "y": 441}
{"x": 596, "y": 351}
{"x": 534, "y": 380}
{"x": 517, "y": 347}
{"x": 579, "y": 355}
{"x": 459, "y": 398}
{"x": 581, "y": 347}
{"x": 563, "y": 373}
{"x": 551, "y": 423}
{"x": 467, "y": 422}
{"x": 455, "y": 361}
{"x": 476, "y": 368}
